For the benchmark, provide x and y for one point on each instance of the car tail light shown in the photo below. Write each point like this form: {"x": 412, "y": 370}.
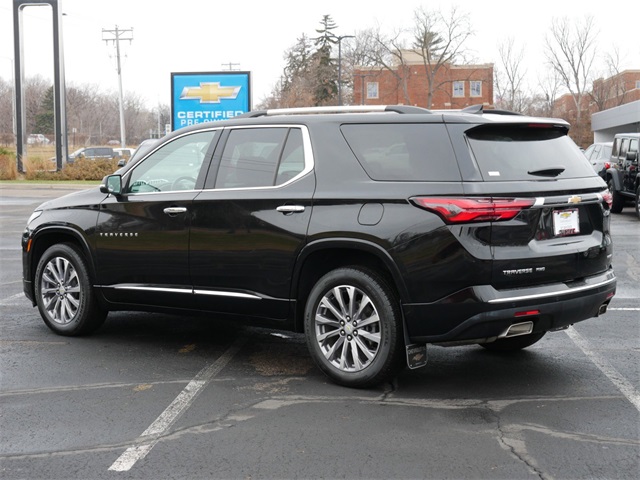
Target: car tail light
{"x": 607, "y": 165}
{"x": 470, "y": 209}
{"x": 608, "y": 198}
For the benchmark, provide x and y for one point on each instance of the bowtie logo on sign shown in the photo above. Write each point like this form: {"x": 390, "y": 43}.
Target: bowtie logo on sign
{"x": 209, "y": 92}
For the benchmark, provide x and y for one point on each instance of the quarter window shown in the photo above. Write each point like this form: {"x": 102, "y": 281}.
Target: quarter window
{"x": 403, "y": 152}
{"x": 175, "y": 166}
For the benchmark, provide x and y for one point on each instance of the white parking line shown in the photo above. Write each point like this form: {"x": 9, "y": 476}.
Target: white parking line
{"x": 627, "y": 389}
{"x": 183, "y": 401}
{"x": 9, "y": 300}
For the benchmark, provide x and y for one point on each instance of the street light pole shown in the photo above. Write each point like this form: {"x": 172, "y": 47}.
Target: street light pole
{"x": 340, "y": 38}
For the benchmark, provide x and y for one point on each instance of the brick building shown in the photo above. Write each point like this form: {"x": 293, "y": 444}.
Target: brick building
{"x": 611, "y": 107}
{"x": 456, "y": 86}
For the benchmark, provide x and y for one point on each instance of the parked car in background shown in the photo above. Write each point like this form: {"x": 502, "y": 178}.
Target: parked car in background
{"x": 37, "y": 139}
{"x": 92, "y": 153}
{"x": 124, "y": 152}
{"x": 474, "y": 228}
{"x": 623, "y": 176}
{"x": 144, "y": 147}
{"x": 599, "y": 156}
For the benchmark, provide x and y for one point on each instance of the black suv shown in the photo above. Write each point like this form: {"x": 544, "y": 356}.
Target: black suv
{"x": 373, "y": 233}
{"x": 623, "y": 178}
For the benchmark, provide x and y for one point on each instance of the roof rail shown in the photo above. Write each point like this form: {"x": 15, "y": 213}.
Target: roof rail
{"x": 479, "y": 110}
{"x": 404, "y": 109}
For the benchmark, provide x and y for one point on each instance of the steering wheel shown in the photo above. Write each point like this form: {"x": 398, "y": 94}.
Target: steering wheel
{"x": 139, "y": 183}
{"x": 176, "y": 183}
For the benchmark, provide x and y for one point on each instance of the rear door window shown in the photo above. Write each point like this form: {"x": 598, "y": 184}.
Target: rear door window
{"x": 403, "y": 151}
{"x": 261, "y": 157}
{"x": 524, "y": 152}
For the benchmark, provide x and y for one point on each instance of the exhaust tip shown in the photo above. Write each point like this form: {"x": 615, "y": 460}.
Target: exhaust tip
{"x": 603, "y": 308}
{"x": 524, "y": 328}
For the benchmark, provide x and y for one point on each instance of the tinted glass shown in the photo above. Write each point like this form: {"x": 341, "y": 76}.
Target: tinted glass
{"x": 404, "y": 152}
{"x": 292, "y": 162}
{"x": 174, "y": 166}
{"x": 250, "y": 157}
{"x": 517, "y": 152}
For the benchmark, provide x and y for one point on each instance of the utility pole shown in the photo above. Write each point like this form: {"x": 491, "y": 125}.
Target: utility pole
{"x": 115, "y": 36}
{"x": 230, "y": 66}
{"x": 340, "y": 38}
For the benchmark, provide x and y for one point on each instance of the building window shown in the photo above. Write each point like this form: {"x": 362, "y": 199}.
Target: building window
{"x": 372, "y": 89}
{"x": 475, "y": 87}
{"x": 637, "y": 83}
{"x": 458, "y": 89}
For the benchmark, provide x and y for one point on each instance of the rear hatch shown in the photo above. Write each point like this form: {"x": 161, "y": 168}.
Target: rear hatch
{"x": 560, "y": 229}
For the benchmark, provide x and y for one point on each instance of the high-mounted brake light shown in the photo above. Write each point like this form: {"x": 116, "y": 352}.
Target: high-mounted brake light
{"x": 470, "y": 209}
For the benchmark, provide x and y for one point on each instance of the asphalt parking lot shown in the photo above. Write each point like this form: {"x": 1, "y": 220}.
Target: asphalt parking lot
{"x": 154, "y": 396}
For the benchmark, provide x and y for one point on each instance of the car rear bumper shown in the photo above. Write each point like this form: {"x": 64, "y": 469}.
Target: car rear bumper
{"x": 480, "y": 313}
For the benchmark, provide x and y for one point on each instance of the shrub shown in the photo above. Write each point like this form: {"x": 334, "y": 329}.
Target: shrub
{"x": 37, "y": 168}
{"x": 85, "y": 169}
{"x": 82, "y": 169}
{"x": 8, "y": 167}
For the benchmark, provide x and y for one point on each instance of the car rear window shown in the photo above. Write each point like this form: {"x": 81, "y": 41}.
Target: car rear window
{"x": 526, "y": 152}
{"x": 403, "y": 151}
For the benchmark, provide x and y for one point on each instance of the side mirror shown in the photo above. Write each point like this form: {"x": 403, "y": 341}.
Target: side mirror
{"x": 112, "y": 184}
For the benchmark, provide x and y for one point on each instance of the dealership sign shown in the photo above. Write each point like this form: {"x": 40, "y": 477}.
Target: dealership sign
{"x": 207, "y": 97}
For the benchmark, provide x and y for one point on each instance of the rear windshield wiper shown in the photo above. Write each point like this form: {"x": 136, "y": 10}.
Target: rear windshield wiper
{"x": 547, "y": 172}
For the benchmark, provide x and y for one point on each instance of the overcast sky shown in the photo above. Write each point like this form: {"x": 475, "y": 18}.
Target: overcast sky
{"x": 204, "y": 35}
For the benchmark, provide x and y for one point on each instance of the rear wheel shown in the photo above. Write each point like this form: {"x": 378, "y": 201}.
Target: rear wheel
{"x": 63, "y": 292}
{"x": 514, "y": 343}
{"x": 617, "y": 200}
{"x": 353, "y": 328}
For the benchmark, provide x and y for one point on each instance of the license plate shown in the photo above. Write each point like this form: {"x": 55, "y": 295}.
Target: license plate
{"x": 566, "y": 222}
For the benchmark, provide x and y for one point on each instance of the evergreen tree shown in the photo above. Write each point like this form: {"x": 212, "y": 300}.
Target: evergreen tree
{"x": 326, "y": 70}
{"x": 45, "y": 118}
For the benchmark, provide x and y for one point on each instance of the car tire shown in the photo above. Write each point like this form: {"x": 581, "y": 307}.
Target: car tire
{"x": 617, "y": 200}
{"x": 353, "y": 328}
{"x": 514, "y": 343}
{"x": 63, "y": 291}
{"x": 638, "y": 202}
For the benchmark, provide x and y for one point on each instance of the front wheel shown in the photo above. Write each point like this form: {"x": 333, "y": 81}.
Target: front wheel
{"x": 63, "y": 292}
{"x": 353, "y": 328}
{"x": 514, "y": 343}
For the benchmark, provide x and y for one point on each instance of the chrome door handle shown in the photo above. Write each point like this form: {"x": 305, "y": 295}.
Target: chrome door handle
{"x": 290, "y": 209}
{"x": 174, "y": 210}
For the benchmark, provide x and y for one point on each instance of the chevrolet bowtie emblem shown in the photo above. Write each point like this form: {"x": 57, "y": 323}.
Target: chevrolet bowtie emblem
{"x": 209, "y": 92}
{"x": 575, "y": 199}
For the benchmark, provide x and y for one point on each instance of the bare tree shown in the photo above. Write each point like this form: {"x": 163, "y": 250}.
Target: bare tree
{"x": 543, "y": 104}
{"x": 571, "y": 51}
{"x": 378, "y": 51}
{"x": 439, "y": 40}
{"x": 509, "y": 78}
{"x": 609, "y": 92}
{"x": 6, "y": 112}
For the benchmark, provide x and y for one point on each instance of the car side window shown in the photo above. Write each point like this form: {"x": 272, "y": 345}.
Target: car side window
{"x": 623, "y": 148}
{"x": 292, "y": 162}
{"x": 260, "y": 157}
{"x": 175, "y": 166}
